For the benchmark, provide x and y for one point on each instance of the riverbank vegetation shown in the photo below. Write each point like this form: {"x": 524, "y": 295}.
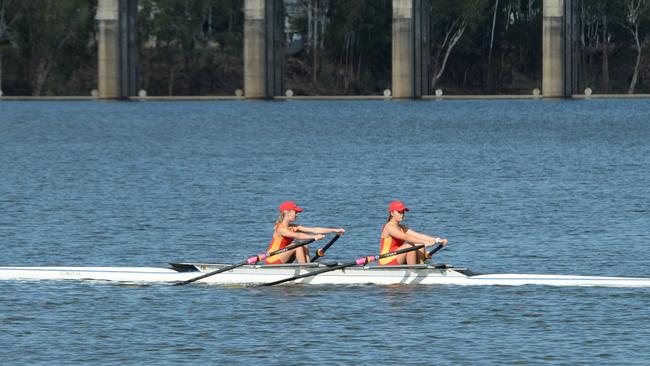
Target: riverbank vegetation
{"x": 333, "y": 47}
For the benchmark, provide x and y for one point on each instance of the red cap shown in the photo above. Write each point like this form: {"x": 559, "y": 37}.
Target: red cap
{"x": 397, "y": 206}
{"x": 289, "y": 205}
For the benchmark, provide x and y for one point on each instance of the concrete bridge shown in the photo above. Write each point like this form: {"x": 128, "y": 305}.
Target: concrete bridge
{"x": 264, "y": 49}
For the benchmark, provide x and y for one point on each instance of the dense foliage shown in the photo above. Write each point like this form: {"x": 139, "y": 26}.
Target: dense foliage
{"x": 194, "y": 47}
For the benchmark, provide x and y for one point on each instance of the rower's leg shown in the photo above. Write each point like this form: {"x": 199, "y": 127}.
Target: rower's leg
{"x": 302, "y": 254}
{"x": 411, "y": 257}
{"x": 399, "y": 259}
{"x": 404, "y": 258}
{"x": 421, "y": 255}
{"x": 286, "y": 257}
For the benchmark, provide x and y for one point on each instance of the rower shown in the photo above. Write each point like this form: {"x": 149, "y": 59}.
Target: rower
{"x": 395, "y": 236}
{"x": 285, "y": 231}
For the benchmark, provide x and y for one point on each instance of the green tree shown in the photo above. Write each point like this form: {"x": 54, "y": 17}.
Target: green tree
{"x": 346, "y": 47}
{"x": 55, "y": 38}
{"x": 6, "y": 40}
{"x": 358, "y": 42}
{"x": 450, "y": 20}
{"x": 635, "y": 13}
{"x": 600, "y": 21}
{"x": 183, "y": 41}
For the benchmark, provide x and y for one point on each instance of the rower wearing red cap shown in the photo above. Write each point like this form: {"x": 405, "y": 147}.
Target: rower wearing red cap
{"x": 285, "y": 231}
{"x": 395, "y": 236}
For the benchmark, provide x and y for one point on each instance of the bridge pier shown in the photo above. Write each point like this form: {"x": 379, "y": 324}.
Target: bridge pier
{"x": 263, "y": 48}
{"x": 559, "y": 43}
{"x": 411, "y": 59}
{"x": 117, "y": 53}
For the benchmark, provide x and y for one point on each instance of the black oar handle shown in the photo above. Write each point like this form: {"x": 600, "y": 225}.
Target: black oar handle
{"x": 433, "y": 251}
{"x": 251, "y": 260}
{"x": 360, "y": 262}
{"x": 321, "y": 251}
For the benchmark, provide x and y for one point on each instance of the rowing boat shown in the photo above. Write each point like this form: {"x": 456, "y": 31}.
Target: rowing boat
{"x": 434, "y": 274}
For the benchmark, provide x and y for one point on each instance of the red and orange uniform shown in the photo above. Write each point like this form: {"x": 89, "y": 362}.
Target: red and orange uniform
{"x": 278, "y": 242}
{"x": 387, "y": 245}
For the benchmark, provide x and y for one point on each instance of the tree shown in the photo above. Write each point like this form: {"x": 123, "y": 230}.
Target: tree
{"x": 635, "y": 9}
{"x": 595, "y": 38}
{"x": 494, "y": 24}
{"x": 317, "y": 19}
{"x": 189, "y": 39}
{"x": 358, "y": 41}
{"x": 6, "y": 39}
{"x": 54, "y": 35}
{"x": 450, "y": 20}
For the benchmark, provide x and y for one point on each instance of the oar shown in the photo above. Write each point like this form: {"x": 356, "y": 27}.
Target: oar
{"x": 251, "y": 260}
{"x": 321, "y": 251}
{"x": 433, "y": 251}
{"x": 357, "y": 262}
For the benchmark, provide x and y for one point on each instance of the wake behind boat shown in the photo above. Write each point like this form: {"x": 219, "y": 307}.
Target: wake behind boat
{"x": 435, "y": 274}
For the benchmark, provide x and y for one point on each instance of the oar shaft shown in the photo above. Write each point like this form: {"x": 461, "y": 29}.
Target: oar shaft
{"x": 359, "y": 261}
{"x": 321, "y": 252}
{"x": 251, "y": 260}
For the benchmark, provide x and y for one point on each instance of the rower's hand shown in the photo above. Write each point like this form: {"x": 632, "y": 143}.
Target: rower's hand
{"x": 440, "y": 241}
{"x": 318, "y": 236}
{"x": 340, "y": 231}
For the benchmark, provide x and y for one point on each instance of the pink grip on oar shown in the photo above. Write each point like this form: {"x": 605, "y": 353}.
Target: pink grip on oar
{"x": 255, "y": 259}
{"x": 361, "y": 261}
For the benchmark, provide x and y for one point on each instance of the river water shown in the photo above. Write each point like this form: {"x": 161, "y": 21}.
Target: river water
{"x": 555, "y": 187}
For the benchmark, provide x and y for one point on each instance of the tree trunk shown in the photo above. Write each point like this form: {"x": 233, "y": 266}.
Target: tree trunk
{"x": 489, "y": 63}
{"x": 605, "y": 44}
{"x": 315, "y": 42}
{"x": 170, "y": 82}
{"x": 635, "y": 76}
{"x": 3, "y": 31}
{"x": 583, "y": 44}
{"x": 40, "y": 76}
{"x": 450, "y": 42}
{"x": 634, "y": 10}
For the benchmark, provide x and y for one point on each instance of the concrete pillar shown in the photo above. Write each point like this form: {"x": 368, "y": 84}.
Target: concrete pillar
{"x": 108, "y": 49}
{"x": 117, "y": 48}
{"x": 263, "y": 48}
{"x": 129, "y": 47}
{"x": 403, "y": 58}
{"x": 411, "y": 59}
{"x": 422, "y": 47}
{"x": 553, "y": 61}
{"x": 572, "y": 28}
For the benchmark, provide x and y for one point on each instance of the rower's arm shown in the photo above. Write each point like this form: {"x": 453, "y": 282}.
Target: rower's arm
{"x": 298, "y": 235}
{"x": 396, "y": 232}
{"x": 320, "y": 230}
{"x": 427, "y": 238}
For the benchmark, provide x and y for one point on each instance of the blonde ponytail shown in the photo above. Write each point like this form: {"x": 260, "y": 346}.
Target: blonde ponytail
{"x": 280, "y": 218}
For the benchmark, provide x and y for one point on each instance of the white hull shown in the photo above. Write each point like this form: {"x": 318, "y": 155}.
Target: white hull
{"x": 257, "y": 274}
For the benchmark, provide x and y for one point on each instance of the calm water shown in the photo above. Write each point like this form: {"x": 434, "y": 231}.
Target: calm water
{"x": 517, "y": 186}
